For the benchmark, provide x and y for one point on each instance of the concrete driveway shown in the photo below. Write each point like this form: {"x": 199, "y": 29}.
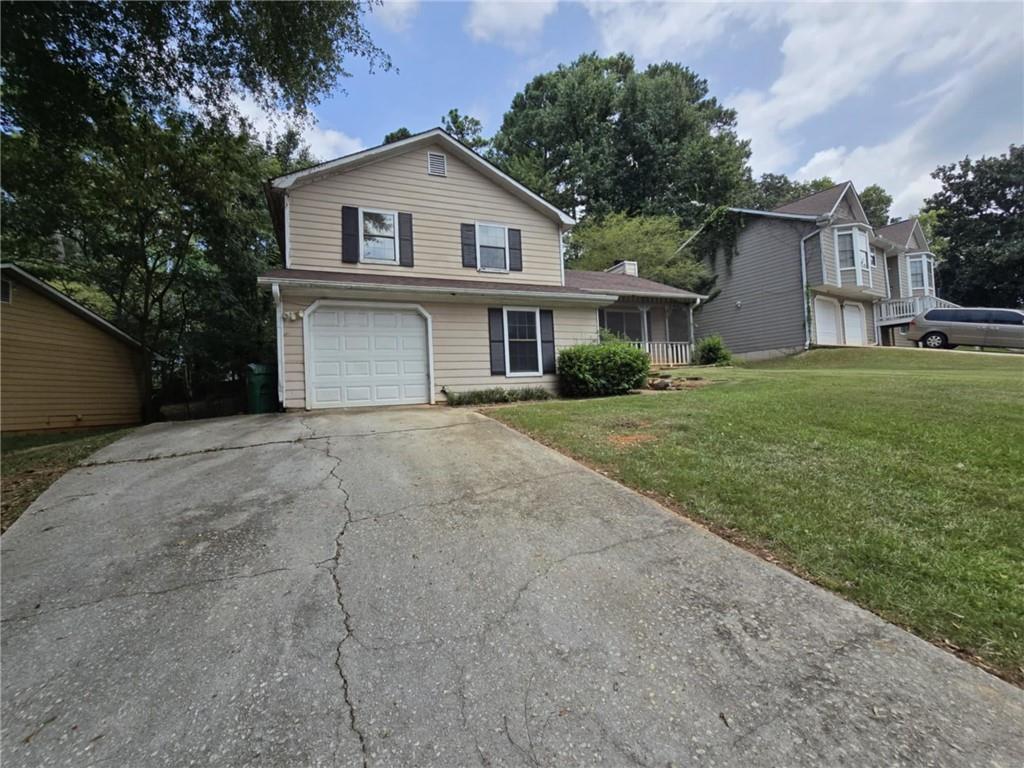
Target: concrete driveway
{"x": 424, "y": 587}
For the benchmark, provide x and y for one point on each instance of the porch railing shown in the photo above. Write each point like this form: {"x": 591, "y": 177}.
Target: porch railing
{"x": 907, "y": 307}
{"x": 669, "y": 353}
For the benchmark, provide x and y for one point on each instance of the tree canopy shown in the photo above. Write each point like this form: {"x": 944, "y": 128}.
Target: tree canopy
{"x": 876, "y": 203}
{"x": 397, "y": 135}
{"x": 651, "y": 241}
{"x": 598, "y": 136}
{"x": 772, "y": 190}
{"x": 979, "y": 213}
{"x": 64, "y": 62}
{"x": 465, "y": 128}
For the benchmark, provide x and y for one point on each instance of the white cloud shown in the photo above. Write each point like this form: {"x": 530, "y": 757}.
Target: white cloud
{"x": 821, "y": 69}
{"x": 903, "y": 164}
{"x": 324, "y": 143}
{"x": 512, "y": 23}
{"x": 667, "y": 30}
{"x": 397, "y": 15}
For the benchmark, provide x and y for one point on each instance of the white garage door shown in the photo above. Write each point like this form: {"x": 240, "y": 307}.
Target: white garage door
{"x": 360, "y": 356}
{"x": 853, "y": 324}
{"x": 826, "y": 321}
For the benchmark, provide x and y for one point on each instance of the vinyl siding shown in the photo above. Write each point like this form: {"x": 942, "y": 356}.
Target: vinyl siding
{"x": 58, "y": 371}
{"x": 439, "y": 205}
{"x": 764, "y": 276}
{"x": 815, "y": 268}
{"x": 461, "y": 349}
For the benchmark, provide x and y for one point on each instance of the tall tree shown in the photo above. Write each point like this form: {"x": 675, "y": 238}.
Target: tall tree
{"x": 652, "y": 241}
{"x": 63, "y": 62}
{"x": 876, "y": 203}
{"x": 465, "y": 128}
{"x": 980, "y": 213}
{"x": 397, "y": 135}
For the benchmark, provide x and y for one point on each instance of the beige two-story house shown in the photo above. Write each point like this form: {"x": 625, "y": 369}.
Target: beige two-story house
{"x": 418, "y": 268}
{"x": 815, "y": 272}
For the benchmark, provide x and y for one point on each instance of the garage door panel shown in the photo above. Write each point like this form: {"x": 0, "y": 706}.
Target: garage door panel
{"x": 368, "y": 357}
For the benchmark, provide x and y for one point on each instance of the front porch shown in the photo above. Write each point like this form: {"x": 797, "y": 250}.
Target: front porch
{"x": 901, "y": 310}
{"x": 661, "y": 328}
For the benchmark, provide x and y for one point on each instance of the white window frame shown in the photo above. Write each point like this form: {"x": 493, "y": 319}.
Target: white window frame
{"x": 476, "y": 230}
{"x": 927, "y": 272}
{"x": 443, "y": 157}
{"x": 540, "y": 354}
{"x": 362, "y": 234}
{"x": 860, "y": 268}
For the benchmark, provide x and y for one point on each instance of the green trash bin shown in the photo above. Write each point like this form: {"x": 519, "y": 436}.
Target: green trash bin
{"x": 261, "y": 388}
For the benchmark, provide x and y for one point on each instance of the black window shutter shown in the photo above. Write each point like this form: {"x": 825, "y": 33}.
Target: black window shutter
{"x": 350, "y": 234}
{"x": 496, "y": 330}
{"x": 469, "y": 245}
{"x": 600, "y": 319}
{"x": 515, "y": 250}
{"x": 405, "y": 239}
{"x": 547, "y": 340}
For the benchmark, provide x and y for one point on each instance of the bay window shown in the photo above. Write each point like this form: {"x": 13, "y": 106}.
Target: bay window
{"x": 922, "y": 273}
{"x": 853, "y": 254}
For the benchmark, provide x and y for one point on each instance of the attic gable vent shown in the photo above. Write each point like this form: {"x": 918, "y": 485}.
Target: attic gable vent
{"x": 437, "y": 164}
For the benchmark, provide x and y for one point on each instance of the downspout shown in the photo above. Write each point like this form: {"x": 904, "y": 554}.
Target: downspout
{"x": 275, "y": 289}
{"x": 561, "y": 254}
{"x": 693, "y": 306}
{"x": 803, "y": 279}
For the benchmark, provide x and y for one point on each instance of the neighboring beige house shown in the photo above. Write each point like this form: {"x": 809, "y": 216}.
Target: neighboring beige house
{"x": 61, "y": 365}
{"x": 417, "y": 267}
{"x": 814, "y": 272}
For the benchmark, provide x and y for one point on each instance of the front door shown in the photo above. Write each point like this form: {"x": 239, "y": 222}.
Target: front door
{"x": 853, "y": 324}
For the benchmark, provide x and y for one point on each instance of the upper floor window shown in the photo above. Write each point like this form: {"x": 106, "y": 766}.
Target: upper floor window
{"x": 854, "y": 253}
{"x": 922, "y": 273}
{"x": 379, "y": 236}
{"x": 492, "y": 248}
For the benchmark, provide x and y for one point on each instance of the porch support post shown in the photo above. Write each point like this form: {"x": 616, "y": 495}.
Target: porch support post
{"x": 689, "y": 307}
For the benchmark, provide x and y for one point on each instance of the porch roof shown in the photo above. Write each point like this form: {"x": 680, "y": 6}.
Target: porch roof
{"x": 625, "y": 285}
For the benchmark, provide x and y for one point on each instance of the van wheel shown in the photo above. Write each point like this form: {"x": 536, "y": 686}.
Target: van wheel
{"x": 934, "y": 340}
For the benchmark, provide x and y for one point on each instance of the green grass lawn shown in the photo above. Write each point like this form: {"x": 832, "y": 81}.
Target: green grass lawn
{"x": 895, "y": 478}
{"x": 31, "y": 462}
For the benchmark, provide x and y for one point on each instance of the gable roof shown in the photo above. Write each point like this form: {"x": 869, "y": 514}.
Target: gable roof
{"x": 902, "y": 232}
{"x": 433, "y": 136}
{"x": 818, "y": 204}
{"x": 31, "y": 281}
{"x": 623, "y": 285}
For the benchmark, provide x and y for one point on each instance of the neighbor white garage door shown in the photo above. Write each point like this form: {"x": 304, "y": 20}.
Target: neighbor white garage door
{"x": 360, "y": 356}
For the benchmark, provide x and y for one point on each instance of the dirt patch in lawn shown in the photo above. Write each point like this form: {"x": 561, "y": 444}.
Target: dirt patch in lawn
{"x": 626, "y": 441}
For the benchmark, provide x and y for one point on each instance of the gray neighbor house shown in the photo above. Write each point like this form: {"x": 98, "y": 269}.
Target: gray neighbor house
{"x": 815, "y": 272}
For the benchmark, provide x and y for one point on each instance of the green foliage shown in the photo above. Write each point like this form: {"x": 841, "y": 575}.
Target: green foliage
{"x": 773, "y": 190}
{"x": 599, "y": 136}
{"x": 464, "y": 128}
{"x": 397, "y": 135}
{"x": 876, "y": 203}
{"x": 651, "y": 241}
{"x": 63, "y": 62}
{"x": 979, "y": 213}
{"x": 711, "y": 350}
{"x": 498, "y": 395}
{"x": 595, "y": 370}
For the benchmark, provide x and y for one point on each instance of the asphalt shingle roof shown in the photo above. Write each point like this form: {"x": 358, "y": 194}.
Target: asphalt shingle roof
{"x": 817, "y": 204}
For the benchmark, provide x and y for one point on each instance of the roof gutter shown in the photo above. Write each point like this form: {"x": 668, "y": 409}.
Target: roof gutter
{"x": 772, "y": 214}
{"x": 588, "y": 298}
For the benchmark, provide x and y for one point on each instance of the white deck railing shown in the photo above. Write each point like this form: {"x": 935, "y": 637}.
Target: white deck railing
{"x": 665, "y": 352}
{"x": 906, "y": 308}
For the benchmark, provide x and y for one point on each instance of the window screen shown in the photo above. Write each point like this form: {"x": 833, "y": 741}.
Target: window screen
{"x": 491, "y": 242}
{"x": 523, "y": 349}
{"x": 379, "y": 236}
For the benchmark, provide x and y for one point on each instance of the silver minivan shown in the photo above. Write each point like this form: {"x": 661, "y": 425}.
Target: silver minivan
{"x": 973, "y": 327}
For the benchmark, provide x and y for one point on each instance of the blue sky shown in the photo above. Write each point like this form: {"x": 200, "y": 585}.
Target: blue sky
{"x": 873, "y": 92}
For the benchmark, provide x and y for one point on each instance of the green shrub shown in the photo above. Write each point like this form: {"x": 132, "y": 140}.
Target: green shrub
{"x": 593, "y": 370}
{"x": 711, "y": 350}
{"x": 497, "y": 395}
